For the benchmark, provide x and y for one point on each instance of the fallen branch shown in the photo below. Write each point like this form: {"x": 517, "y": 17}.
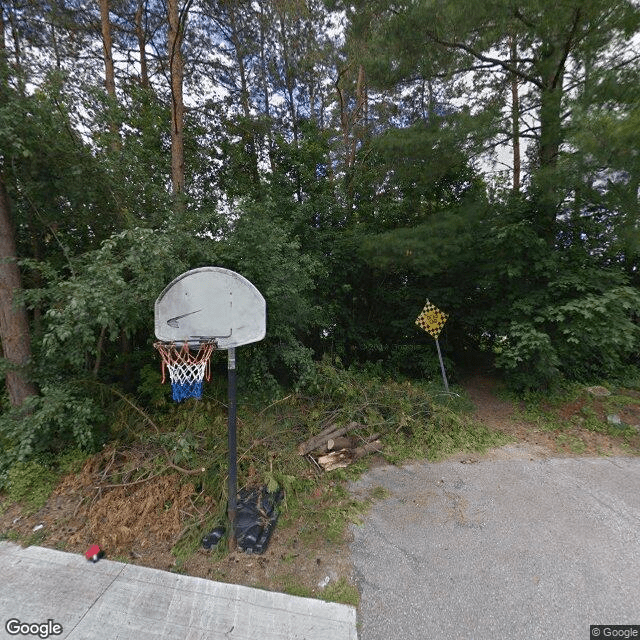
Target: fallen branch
{"x": 129, "y": 484}
{"x": 187, "y": 472}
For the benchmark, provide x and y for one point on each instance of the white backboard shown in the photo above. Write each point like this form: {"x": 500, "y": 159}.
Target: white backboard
{"x": 211, "y": 302}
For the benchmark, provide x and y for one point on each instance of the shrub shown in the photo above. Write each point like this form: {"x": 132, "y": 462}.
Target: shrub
{"x": 30, "y": 483}
{"x": 583, "y": 337}
{"x": 57, "y": 420}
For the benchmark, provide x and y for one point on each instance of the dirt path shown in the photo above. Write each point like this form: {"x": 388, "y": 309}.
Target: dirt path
{"x": 568, "y": 440}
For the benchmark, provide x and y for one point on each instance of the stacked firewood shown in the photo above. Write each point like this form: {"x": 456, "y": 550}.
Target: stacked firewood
{"x": 332, "y": 448}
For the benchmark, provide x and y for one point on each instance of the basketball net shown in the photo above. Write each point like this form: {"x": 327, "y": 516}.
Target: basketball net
{"x": 187, "y": 370}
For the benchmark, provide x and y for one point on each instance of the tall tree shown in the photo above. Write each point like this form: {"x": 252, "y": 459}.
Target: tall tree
{"x": 177, "y": 17}
{"x": 14, "y": 323}
{"x": 515, "y": 117}
{"x": 141, "y": 37}
{"x": 105, "y": 22}
{"x": 552, "y": 39}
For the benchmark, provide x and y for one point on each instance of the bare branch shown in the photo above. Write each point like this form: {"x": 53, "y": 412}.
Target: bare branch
{"x": 485, "y": 58}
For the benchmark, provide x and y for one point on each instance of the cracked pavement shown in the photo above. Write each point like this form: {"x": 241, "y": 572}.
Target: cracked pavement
{"x": 518, "y": 548}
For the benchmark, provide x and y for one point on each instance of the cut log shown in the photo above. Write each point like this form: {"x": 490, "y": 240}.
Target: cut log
{"x": 341, "y": 442}
{"x": 344, "y": 457}
{"x": 327, "y": 431}
{"x": 370, "y": 447}
{"x": 335, "y": 460}
{"x": 320, "y": 441}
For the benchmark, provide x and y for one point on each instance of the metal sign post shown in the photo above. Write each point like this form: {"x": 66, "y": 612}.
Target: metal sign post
{"x": 444, "y": 373}
{"x": 233, "y": 449}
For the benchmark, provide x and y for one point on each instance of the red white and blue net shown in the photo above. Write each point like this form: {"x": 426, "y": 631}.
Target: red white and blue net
{"x": 187, "y": 369}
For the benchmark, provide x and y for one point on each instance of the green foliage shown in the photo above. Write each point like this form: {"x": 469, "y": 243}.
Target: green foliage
{"x": 60, "y": 192}
{"x": 31, "y": 484}
{"x": 111, "y": 291}
{"x": 265, "y": 251}
{"x": 528, "y": 357}
{"x": 446, "y": 433}
{"x": 59, "y": 418}
{"x": 582, "y": 337}
{"x": 415, "y": 421}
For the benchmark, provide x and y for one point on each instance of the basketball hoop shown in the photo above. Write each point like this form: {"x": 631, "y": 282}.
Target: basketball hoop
{"x": 187, "y": 370}
{"x": 217, "y": 309}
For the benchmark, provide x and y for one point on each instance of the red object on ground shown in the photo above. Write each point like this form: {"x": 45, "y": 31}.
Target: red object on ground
{"x": 93, "y": 553}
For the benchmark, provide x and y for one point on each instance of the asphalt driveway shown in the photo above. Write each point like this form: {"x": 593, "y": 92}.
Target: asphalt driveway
{"x": 516, "y": 548}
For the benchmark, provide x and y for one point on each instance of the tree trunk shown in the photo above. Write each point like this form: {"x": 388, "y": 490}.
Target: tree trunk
{"x": 248, "y": 139}
{"x": 55, "y": 47}
{"x": 358, "y": 115}
{"x": 550, "y": 140}
{"x": 105, "y": 23}
{"x": 3, "y": 53}
{"x": 142, "y": 45}
{"x": 265, "y": 84}
{"x": 176, "y": 69}
{"x": 2, "y": 41}
{"x": 289, "y": 85}
{"x": 109, "y": 73}
{"x": 515, "y": 119}
{"x": 550, "y": 126}
{"x": 14, "y": 324}
{"x": 17, "y": 50}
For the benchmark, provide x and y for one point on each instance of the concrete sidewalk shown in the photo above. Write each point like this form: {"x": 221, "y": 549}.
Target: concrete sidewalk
{"x": 116, "y": 601}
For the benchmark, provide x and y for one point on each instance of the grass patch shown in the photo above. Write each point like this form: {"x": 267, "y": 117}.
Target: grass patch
{"x": 292, "y": 585}
{"x": 35, "y": 538}
{"x": 341, "y": 591}
{"x": 31, "y": 484}
{"x": 447, "y": 432}
{"x": 380, "y": 493}
{"x": 574, "y": 443}
{"x": 12, "y": 536}
{"x": 573, "y": 410}
{"x": 544, "y": 420}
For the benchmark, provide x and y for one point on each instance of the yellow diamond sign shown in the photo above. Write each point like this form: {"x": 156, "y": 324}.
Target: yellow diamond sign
{"x": 431, "y": 319}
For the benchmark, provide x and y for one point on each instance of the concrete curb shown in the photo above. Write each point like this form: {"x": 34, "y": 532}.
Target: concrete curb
{"x": 116, "y": 600}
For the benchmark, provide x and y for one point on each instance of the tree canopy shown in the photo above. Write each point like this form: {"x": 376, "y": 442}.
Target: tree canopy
{"x": 350, "y": 159}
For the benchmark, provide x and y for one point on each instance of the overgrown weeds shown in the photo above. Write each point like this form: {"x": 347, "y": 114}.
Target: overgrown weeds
{"x": 162, "y": 479}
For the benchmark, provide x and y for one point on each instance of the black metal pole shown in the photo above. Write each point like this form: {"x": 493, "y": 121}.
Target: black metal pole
{"x": 233, "y": 455}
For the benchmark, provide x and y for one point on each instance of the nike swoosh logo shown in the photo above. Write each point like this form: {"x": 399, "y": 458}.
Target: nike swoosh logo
{"x": 173, "y": 322}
